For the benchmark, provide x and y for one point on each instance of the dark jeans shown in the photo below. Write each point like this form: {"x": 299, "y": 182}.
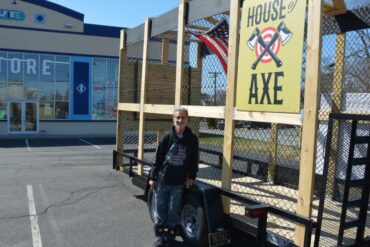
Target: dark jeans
{"x": 168, "y": 199}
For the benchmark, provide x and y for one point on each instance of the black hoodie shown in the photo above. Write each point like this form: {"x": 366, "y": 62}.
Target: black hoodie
{"x": 177, "y": 174}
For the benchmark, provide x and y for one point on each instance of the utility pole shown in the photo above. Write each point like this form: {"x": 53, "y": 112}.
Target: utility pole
{"x": 214, "y": 75}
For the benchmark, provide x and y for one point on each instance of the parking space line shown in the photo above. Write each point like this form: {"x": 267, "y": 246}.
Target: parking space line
{"x": 28, "y": 145}
{"x": 89, "y": 143}
{"x": 36, "y": 236}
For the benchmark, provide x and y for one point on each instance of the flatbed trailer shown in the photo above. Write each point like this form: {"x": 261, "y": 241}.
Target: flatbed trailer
{"x": 203, "y": 220}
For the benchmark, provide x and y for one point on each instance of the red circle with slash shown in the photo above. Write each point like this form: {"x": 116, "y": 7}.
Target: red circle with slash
{"x": 267, "y": 35}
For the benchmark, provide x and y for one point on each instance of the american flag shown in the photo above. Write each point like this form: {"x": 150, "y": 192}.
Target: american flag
{"x": 216, "y": 39}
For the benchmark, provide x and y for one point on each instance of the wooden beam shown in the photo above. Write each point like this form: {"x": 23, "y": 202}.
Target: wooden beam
{"x": 232, "y": 69}
{"x": 191, "y": 26}
{"x": 282, "y": 118}
{"x": 165, "y": 51}
{"x": 132, "y": 107}
{"x": 205, "y": 111}
{"x": 310, "y": 116}
{"x": 211, "y": 20}
{"x": 144, "y": 74}
{"x": 273, "y": 153}
{"x": 339, "y": 4}
{"x": 158, "y": 109}
{"x": 180, "y": 51}
{"x": 336, "y": 8}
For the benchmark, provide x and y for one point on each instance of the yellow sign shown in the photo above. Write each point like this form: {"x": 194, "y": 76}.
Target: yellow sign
{"x": 270, "y": 56}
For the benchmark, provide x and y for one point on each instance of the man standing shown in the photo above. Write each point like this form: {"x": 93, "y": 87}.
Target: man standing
{"x": 176, "y": 166}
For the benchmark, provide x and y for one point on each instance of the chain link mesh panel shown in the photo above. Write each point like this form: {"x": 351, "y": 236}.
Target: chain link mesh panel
{"x": 211, "y": 145}
{"x": 156, "y": 125}
{"x": 131, "y": 75}
{"x": 161, "y": 74}
{"x": 129, "y": 123}
{"x": 334, "y": 197}
{"x": 206, "y": 84}
{"x": 344, "y": 88}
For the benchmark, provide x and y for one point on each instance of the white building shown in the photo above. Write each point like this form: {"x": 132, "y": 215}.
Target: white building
{"x": 58, "y": 75}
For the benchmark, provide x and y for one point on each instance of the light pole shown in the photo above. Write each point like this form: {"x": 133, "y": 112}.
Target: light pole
{"x": 214, "y": 75}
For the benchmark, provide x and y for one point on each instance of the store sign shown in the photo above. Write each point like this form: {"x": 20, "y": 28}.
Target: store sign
{"x": 30, "y": 66}
{"x": 13, "y": 15}
{"x": 270, "y": 56}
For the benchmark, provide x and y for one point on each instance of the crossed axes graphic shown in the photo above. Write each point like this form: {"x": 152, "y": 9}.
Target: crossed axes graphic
{"x": 282, "y": 31}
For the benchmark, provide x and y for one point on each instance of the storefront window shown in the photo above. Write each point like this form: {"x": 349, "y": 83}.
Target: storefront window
{"x": 31, "y": 91}
{"x": 105, "y": 79}
{"x": 46, "y": 91}
{"x": 99, "y": 110}
{"x": 111, "y": 110}
{"x": 61, "y": 91}
{"x": 3, "y": 69}
{"x": 47, "y": 110}
{"x": 15, "y": 90}
{"x": 61, "y": 110}
{"x": 61, "y": 69}
{"x": 2, "y": 110}
{"x": 47, "y": 68}
{"x": 15, "y": 67}
{"x": 46, "y": 78}
{"x": 31, "y": 68}
{"x": 3, "y": 91}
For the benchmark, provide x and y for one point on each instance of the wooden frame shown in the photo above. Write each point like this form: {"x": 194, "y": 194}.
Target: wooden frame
{"x": 190, "y": 11}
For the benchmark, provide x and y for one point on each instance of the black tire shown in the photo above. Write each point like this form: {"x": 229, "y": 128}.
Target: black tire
{"x": 151, "y": 205}
{"x": 193, "y": 223}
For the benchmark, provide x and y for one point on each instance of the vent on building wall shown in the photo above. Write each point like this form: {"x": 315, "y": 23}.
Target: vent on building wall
{"x": 68, "y": 25}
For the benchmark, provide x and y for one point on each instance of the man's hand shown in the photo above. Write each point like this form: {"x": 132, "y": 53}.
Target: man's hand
{"x": 189, "y": 182}
{"x": 152, "y": 183}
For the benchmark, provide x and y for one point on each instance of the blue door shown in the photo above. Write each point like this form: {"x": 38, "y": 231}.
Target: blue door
{"x": 81, "y": 88}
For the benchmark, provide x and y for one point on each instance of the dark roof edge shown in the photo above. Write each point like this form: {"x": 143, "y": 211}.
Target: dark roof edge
{"x": 102, "y": 30}
{"x": 57, "y": 7}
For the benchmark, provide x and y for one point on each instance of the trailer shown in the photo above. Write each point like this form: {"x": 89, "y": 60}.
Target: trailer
{"x": 300, "y": 70}
{"x": 203, "y": 221}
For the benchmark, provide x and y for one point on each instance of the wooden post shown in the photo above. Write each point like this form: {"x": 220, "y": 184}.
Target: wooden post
{"x": 165, "y": 50}
{"x": 144, "y": 71}
{"x": 230, "y": 99}
{"x": 310, "y": 117}
{"x": 273, "y": 150}
{"x": 199, "y": 56}
{"x": 340, "y": 49}
{"x": 119, "y": 125}
{"x": 180, "y": 51}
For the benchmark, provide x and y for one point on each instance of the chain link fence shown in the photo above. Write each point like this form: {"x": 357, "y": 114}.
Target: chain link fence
{"x": 335, "y": 212}
{"x": 344, "y": 88}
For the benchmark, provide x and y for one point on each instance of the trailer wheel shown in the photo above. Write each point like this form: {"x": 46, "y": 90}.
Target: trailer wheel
{"x": 193, "y": 222}
{"x": 151, "y": 205}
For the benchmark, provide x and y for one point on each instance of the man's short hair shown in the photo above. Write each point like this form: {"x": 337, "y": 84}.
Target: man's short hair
{"x": 181, "y": 109}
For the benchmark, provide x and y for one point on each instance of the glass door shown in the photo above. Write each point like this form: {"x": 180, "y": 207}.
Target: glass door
{"x": 30, "y": 120}
{"x": 23, "y": 117}
{"x": 15, "y": 117}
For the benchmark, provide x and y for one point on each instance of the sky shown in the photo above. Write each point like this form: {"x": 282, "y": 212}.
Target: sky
{"x": 120, "y": 13}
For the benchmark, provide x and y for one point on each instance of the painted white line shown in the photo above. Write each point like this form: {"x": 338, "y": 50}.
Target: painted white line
{"x": 90, "y": 143}
{"x": 36, "y": 236}
{"x": 51, "y": 218}
{"x": 28, "y": 145}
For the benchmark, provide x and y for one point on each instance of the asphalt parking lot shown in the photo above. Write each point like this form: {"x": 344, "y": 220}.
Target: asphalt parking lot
{"x": 64, "y": 192}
